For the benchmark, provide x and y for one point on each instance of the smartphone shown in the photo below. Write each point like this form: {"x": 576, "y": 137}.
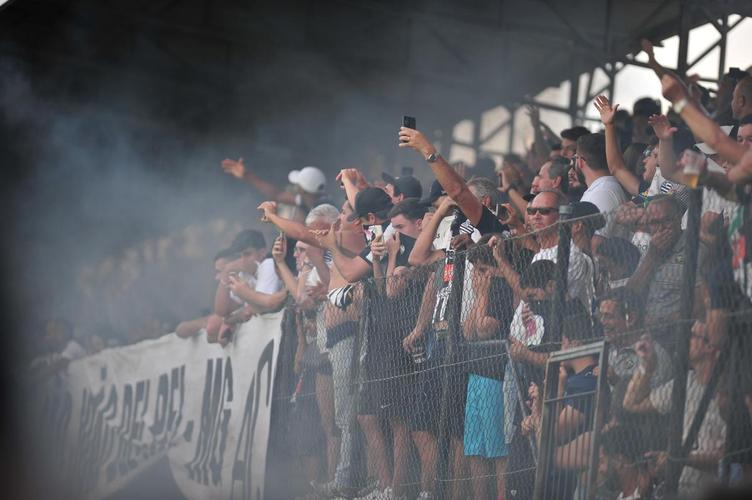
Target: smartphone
{"x": 377, "y": 231}
{"x": 501, "y": 212}
{"x": 408, "y": 122}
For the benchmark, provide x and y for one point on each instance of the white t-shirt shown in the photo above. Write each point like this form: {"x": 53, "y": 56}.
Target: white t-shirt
{"x": 607, "y": 194}
{"x": 712, "y": 435}
{"x": 518, "y": 330}
{"x": 580, "y": 276}
{"x": 267, "y": 280}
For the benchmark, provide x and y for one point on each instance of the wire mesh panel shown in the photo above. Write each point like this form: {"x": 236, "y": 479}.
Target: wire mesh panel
{"x": 467, "y": 377}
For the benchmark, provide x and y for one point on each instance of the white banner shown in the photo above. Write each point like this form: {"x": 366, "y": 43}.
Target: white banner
{"x": 206, "y": 407}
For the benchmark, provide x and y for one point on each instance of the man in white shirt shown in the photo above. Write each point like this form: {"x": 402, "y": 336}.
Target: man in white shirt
{"x": 543, "y": 213}
{"x": 249, "y": 278}
{"x": 603, "y": 191}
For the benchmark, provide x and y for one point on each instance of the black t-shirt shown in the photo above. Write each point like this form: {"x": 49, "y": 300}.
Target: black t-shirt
{"x": 406, "y": 246}
{"x": 488, "y": 223}
{"x": 489, "y": 360}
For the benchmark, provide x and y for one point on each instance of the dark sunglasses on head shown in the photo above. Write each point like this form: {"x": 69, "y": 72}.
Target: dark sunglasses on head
{"x": 541, "y": 210}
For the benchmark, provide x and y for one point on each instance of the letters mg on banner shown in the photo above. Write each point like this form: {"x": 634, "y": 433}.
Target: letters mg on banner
{"x": 206, "y": 407}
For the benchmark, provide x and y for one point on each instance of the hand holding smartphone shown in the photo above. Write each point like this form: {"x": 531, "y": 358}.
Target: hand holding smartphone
{"x": 408, "y": 122}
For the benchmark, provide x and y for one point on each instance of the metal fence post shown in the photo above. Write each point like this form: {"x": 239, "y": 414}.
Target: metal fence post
{"x": 450, "y": 357}
{"x": 562, "y": 270}
{"x": 683, "y": 332}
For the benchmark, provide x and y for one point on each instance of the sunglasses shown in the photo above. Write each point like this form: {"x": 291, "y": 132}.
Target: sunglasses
{"x": 541, "y": 210}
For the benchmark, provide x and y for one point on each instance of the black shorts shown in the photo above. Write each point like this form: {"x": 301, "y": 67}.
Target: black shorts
{"x": 425, "y": 410}
{"x": 306, "y": 435}
{"x": 388, "y": 397}
{"x": 340, "y": 332}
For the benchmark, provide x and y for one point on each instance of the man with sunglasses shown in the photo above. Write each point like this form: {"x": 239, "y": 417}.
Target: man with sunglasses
{"x": 543, "y": 215}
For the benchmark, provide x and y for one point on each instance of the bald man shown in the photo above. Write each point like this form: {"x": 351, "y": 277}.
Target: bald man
{"x": 741, "y": 101}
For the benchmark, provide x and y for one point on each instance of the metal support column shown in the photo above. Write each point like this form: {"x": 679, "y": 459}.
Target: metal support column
{"x": 682, "y": 335}
{"x": 684, "y": 27}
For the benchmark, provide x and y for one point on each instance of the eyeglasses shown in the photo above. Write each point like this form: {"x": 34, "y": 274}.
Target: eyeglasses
{"x": 541, "y": 210}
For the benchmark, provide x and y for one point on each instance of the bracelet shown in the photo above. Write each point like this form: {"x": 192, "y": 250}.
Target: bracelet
{"x": 679, "y": 106}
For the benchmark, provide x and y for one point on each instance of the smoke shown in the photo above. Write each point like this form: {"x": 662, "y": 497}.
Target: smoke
{"x": 95, "y": 185}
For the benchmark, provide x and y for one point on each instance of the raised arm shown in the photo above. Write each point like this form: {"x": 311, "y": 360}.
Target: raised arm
{"x": 541, "y": 150}
{"x": 647, "y": 46}
{"x": 351, "y": 268}
{"x": 353, "y": 182}
{"x": 701, "y": 125}
{"x": 279, "y": 251}
{"x": 513, "y": 192}
{"x": 666, "y": 157}
{"x": 237, "y": 169}
{"x": 423, "y": 251}
{"x": 450, "y": 180}
{"x": 629, "y": 181}
{"x": 291, "y": 228}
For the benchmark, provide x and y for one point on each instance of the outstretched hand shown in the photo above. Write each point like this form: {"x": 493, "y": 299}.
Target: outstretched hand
{"x": 269, "y": 208}
{"x": 353, "y": 175}
{"x": 661, "y": 126}
{"x": 236, "y": 168}
{"x": 673, "y": 89}
{"x": 328, "y": 238}
{"x": 410, "y": 138}
{"x": 608, "y": 112}
{"x": 533, "y": 112}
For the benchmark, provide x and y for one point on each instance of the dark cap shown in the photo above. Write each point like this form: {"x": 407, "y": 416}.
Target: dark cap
{"x": 594, "y": 220}
{"x": 246, "y": 240}
{"x": 371, "y": 200}
{"x": 406, "y": 184}
{"x": 434, "y": 194}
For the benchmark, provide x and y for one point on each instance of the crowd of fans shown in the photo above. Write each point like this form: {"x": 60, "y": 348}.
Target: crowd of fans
{"x": 379, "y": 274}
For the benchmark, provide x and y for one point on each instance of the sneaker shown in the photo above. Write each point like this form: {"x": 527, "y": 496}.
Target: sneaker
{"x": 326, "y": 490}
{"x": 374, "y": 495}
{"x": 370, "y": 487}
{"x": 425, "y": 495}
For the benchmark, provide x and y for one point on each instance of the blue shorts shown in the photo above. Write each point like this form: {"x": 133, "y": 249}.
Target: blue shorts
{"x": 484, "y": 418}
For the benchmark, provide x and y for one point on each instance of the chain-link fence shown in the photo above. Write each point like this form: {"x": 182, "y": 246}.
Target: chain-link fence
{"x": 603, "y": 355}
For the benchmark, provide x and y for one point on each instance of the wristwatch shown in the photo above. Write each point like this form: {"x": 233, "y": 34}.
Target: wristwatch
{"x": 432, "y": 157}
{"x": 679, "y": 106}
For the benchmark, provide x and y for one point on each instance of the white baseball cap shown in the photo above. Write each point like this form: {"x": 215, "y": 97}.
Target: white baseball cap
{"x": 310, "y": 179}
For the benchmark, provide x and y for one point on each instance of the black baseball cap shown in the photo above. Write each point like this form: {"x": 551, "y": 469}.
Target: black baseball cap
{"x": 594, "y": 219}
{"x": 434, "y": 194}
{"x": 406, "y": 184}
{"x": 371, "y": 200}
